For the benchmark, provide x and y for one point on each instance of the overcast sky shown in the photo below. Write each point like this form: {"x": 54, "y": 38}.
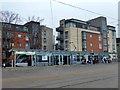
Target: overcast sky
{"x": 41, "y": 8}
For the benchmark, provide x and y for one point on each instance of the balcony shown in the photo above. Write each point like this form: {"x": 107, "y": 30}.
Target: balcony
{"x": 8, "y": 36}
{"x": 61, "y": 47}
{"x": 59, "y": 29}
{"x": 60, "y": 38}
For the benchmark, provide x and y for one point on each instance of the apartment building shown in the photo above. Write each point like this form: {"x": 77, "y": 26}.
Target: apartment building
{"x": 34, "y": 34}
{"x": 101, "y": 22}
{"x": 112, "y": 41}
{"x": 85, "y": 36}
{"x": 77, "y": 35}
{"x": 47, "y": 38}
{"x": 27, "y": 36}
{"x": 13, "y": 37}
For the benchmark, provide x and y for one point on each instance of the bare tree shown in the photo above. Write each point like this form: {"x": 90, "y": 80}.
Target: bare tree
{"x": 36, "y": 19}
{"x": 10, "y": 17}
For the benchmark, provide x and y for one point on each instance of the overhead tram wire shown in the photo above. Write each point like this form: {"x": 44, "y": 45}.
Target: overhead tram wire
{"x": 85, "y": 10}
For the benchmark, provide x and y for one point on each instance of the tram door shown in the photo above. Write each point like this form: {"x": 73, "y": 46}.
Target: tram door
{"x": 56, "y": 60}
{"x": 66, "y": 60}
{"x": 29, "y": 61}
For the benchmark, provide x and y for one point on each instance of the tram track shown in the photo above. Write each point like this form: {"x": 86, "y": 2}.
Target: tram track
{"x": 60, "y": 77}
{"x": 73, "y": 82}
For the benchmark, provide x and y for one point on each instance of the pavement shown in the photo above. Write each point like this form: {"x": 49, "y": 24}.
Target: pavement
{"x": 67, "y": 76}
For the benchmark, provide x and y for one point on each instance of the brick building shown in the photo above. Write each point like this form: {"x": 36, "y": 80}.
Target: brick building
{"x": 13, "y": 37}
{"x": 27, "y": 36}
{"x": 34, "y": 34}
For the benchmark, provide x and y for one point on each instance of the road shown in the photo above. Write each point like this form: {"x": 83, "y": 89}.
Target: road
{"x": 69, "y": 76}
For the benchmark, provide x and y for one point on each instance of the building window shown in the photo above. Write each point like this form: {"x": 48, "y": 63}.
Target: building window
{"x": 12, "y": 35}
{"x": 25, "y": 29}
{"x": 100, "y": 38}
{"x": 66, "y": 44}
{"x": 44, "y": 47}
{"x": 12, "y": 44}
{"x": 19, "y": 44}
{"x": 70, "y": 24}
{"x": 7, "y": 25}
{"x": 105, "y": 42}
{"x": 84, "y": 44}
{"x": 27, "y": 37}
{"x": 66, "y": 35}
{"x": 91, "y": 44}
{"x": 44, "y": 40}
{"x": 83, "y": 49}
{"x": 83, "y": 26}
{"x": 105, "y": 48}
{"x": 100, "y": 46}
{"x": 27, "y": 45}
{"x": 19, "y": 36}
{"x": 83, "y": 35}
{"x": 113, "y": 47}
{"x": 90, "y": 35}
{"x": 17, "y": 27}
{"x": 44, "y": 33}
{"x": 105, "y": 35}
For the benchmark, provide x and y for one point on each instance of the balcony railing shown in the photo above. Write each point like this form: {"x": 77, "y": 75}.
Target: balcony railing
{"x": 8, "y": 35}
{"x": 60, "y": 38}
{"x": 59, "y": 29}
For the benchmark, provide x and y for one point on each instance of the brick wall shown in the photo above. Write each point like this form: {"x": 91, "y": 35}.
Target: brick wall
{"x": 94, "y": 40}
